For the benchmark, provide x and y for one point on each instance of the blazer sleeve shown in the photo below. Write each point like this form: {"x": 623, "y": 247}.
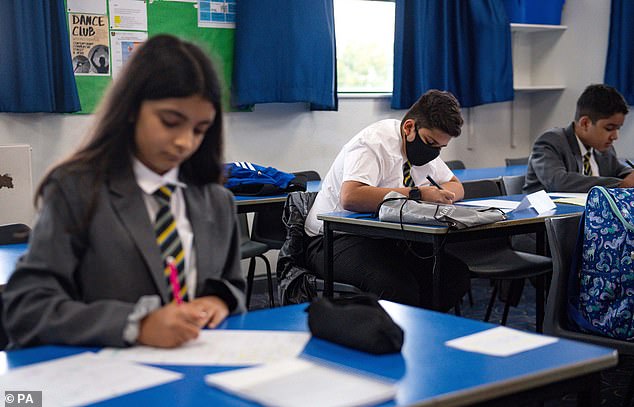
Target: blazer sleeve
{"x": 42, "y": 300}
{"x": 614, "y": 166}
{"x": 555, "y": 167}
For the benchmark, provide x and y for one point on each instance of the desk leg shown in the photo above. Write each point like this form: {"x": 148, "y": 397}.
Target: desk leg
{"x": 436, "y": 286}
{"x": 540, "y": 243}
{"x": 328, "y": 261}
{"x": 590, "y": 395}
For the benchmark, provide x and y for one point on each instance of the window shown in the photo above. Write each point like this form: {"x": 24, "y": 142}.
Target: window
{"x": 365, "y": 45}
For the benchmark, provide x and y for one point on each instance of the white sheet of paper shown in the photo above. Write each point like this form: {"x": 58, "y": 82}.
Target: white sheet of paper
{"x": 540, "y": 201}
{"x": 300, "y": 382}
{"x": 500, "y": 341}
{"x": 84, "y": 379}
{"x": 571, "y": 198}
{"x": 220, "y": 347}
{"x": 86, "y": 6}
{"x": 122, "y": 45}
{"x": 568, "y": 195}
{"x": 503, "y": 204}
{"x": 128, "y": 15}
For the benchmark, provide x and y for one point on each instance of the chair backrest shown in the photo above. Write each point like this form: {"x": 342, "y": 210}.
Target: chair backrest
{"x": 482, "y": 188}
{"x": 267, "y": 224}
{"x": 4, "y": 339}
{"x": 562, "y": 238}
{"x": 311, "y": 175}
{"x": 243, "y": 225}
{"x": 513, "y": 184}
{"x": 455, "y": 165}
{"x": 516, "y": 161}
{"x": 11, "y": 233}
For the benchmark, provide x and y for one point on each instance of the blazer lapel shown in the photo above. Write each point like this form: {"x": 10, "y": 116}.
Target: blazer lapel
{"x": 127, "y": 201}
{"x": 574, "y": 147}
{"x": 203, "y": 224}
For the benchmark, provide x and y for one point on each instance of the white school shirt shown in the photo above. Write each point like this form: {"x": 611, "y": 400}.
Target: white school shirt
{"x": 372, "y": 157}
{"x": 593, "y": 162}
{"x": 149, "y": 182}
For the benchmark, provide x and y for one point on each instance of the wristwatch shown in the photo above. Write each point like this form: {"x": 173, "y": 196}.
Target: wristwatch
{"x": 414, "y": 193}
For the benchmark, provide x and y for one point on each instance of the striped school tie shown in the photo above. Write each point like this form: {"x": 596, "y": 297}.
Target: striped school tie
{"x": 168, "y": 240}
{"x": 587, "y": 169}
{"x": 407, "y": 176}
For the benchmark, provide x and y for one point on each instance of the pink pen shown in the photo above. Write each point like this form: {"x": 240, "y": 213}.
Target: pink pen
{"x": 176, "y": 287}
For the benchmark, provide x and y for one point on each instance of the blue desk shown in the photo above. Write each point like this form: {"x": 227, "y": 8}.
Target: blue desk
{"x": 470, "y": 174}
{"x": 518, "y": 222}
{"x": 9, "y": 255}
{"x": 427, "y": 372}
{"x": 247, "y": 204}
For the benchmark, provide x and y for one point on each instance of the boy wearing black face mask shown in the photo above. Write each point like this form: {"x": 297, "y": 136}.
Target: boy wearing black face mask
{"x": 392, "y": 155}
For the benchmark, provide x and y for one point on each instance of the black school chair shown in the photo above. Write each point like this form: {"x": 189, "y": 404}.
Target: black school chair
{"x": 267, "y": 224}
{"x": 495, "y": 259}
{"x": 528, "y": 242}
{"x": 513, "y": 184}
{"x": 297, "y": 283}
{"x": 455, "y": 165}
{"x": 562, "y": 238}
{"x": 250, "y": 249}
{"x": 516, "y": 161}
{"x": 12, "y": 233}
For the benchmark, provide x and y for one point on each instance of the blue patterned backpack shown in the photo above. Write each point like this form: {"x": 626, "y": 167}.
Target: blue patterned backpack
{"x": 604, "y": 272}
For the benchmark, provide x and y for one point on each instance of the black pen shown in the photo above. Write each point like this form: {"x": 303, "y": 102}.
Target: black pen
{"x": 629, "y": 163}
{"x": 434, "y": 183}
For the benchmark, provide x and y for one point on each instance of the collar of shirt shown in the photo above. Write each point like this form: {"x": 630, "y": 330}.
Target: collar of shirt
{"x": 583, "y": 148}
{"x": 593, "y": 163}
{"x": 149, "y": 181}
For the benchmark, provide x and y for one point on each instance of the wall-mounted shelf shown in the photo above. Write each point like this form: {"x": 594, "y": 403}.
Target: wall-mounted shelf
{"x": 536, "y": 67}
{"x": 529, "y": 28}
{"x": 538, "y": 88}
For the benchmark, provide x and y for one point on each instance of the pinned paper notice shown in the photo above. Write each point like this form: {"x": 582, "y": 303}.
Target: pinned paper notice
{"x": 500, "y": 341}
{"x": 540, "y": 201}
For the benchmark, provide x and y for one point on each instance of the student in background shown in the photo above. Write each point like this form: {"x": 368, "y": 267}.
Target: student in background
{"x": 580, "y": 156}
{"x": 116, "y": 258}
{"x": 392, "y": 155}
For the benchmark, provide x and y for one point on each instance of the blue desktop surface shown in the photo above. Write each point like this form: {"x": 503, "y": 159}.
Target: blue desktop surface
{"x": 9, "y": 255}
{"x": 311, "y": 186}
{"x": 471, "y": 174}
{"x": 512, "y": 218}
{"x": 426, "y": 372}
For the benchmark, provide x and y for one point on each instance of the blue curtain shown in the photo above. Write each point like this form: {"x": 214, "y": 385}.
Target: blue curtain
{"x": 460, "y": 46}
{"x": 36, "y": 73}
{"x": 285, "y": 52}
{"x": 619, "y": 65}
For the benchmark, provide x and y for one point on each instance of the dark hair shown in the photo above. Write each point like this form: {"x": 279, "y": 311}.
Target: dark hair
{"x": 437, "y": 109}
{"x": 600, "y": 102}
{"x": 163, "y": 67}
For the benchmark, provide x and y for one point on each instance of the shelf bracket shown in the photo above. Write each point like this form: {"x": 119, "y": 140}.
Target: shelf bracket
{"x": 469, "y": 125}
{"x": 512, "y": 134}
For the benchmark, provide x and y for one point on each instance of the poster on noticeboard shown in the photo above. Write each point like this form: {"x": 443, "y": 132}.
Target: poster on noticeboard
{"x": 89, "y": 44}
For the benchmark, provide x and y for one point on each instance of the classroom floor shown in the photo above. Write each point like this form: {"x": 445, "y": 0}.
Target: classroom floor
{"x": 614, "y": 382}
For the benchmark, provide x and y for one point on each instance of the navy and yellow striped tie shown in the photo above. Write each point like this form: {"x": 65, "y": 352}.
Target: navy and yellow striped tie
{"x": 168, "y": 240}
{"x": 407, "y": 176}
{"x": 587, "y": 169}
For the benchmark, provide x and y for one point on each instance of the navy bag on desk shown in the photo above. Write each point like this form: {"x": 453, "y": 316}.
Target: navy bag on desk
{"x": 245, "y": 178}
{"x": 601, "y": 299}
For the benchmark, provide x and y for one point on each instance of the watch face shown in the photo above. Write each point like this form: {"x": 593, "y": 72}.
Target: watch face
{"x": 414, "y": 193}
